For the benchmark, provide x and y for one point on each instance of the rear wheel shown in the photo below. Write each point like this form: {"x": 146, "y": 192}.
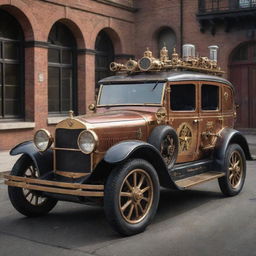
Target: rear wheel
{"x": 131, "y": 196}
{"x": 28, "y": 202}
{"x": 235, "y": 163}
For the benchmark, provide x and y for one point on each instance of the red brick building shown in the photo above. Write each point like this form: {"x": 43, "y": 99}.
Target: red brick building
{"x": 52, "y": 52}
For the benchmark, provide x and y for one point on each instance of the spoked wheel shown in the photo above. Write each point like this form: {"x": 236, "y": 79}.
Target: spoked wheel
{"x": 235, "y": 169}
{"x": 165, "y": 139}
{"x": 167, "y": 149}
{"x": 32, "y": 196}
{"x": 28, "y": 202}
{"x": 136, "y": 196}
{"x": 131, "y": 196}
{"x": 233, "y": 182}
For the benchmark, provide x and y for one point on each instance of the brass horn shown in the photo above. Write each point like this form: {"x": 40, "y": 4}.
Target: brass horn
{"x": 131, "y": 65}
{"x": 116, "y": 66}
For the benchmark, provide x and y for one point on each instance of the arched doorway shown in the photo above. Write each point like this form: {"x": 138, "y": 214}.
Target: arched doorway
{"x": 62, "y": 87}
{"x": 104, "y": 56}
{"x": 166, "y": 37}
{"x": 11, "y": 68}
{"x": 243, "y": 76}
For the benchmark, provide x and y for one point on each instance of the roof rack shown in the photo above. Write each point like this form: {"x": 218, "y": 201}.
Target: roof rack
{"x": 149, "y": 63}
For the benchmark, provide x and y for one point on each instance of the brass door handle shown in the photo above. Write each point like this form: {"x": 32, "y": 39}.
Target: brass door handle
{"x": 196, "y": 121}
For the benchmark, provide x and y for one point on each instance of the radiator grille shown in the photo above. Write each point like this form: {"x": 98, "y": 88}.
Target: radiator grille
{"x": 70, "y": 161}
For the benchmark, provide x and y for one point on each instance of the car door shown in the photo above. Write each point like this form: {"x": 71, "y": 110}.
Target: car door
{"x": 210, "y": 116}
{"x": 184, "y": 118}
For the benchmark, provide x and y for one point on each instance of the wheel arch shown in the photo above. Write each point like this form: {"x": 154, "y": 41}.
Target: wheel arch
{"x": 229, "y": 136}
{"x": 123, "y": 151}
{"x": 43, "y": 161}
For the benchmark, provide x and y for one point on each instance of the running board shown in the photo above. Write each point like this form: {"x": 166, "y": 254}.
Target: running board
{"x": 197, "y": 179}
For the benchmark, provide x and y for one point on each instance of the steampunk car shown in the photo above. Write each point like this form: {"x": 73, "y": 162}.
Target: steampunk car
{"x": 158, "y": 122}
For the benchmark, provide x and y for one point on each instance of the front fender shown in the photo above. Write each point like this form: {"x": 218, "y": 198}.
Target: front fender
{"x": 43, "y": 160}
{"x": 139, "y": 149}
{"x": 227, "y": 137}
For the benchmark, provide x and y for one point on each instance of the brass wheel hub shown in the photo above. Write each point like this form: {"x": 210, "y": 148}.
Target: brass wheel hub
{"x": 235, "y": 170}
{"x": 136, "y": 196}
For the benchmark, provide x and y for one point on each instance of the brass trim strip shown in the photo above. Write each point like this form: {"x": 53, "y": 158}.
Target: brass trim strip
{"x": 54, "y": 183}
{"x": 66, "y": 149}
{"x": 54, "y": 190}
{"x": 71, "y": 174}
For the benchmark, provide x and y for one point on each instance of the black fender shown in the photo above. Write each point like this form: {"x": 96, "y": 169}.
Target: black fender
{"x": 43, "y": 160}
{"x": 229, "y": 136}
{"x": 140, "y": 149}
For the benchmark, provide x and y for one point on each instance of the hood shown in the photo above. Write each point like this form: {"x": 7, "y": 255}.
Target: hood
{"x": 115, "y": 126}
{"x": 114, "y": 117}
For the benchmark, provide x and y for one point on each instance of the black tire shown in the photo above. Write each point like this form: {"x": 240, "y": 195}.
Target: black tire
{"x": 114, "y": 201}
{"x": 232, "y": 183}
{"x": 165, "y": 139}
{"x": 19, "y": 200}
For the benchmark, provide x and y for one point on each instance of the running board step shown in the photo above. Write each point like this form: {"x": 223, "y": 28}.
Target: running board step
{"x": 197, "y": 179}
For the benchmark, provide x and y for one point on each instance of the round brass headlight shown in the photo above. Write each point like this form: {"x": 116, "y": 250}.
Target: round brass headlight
{"x": 87, "y": 141}
{"x": 43, "y": 140}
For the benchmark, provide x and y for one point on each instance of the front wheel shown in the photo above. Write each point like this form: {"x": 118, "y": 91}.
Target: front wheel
{"x": 28, "y": 202}
{"x": 235, "y": 164}
{"x": 131, "y": 196}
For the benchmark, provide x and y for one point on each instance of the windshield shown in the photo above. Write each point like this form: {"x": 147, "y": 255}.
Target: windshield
{"x": 131, "y": 94}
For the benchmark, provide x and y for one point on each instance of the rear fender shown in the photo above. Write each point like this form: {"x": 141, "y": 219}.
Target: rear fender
{"x": 229, "y": 136}
{"x": 43, "y": 161}
{"x": 123, "y": 151}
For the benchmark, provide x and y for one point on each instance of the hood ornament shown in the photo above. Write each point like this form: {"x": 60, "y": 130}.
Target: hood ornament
{"x": 71, "y": 114}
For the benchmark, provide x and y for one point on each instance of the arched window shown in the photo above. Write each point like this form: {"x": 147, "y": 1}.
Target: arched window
{"x": 166, "y": 37}
{"x": 11, "y": 68}
{"x": 61, "y": 70}
{"x": 104, "y": 56}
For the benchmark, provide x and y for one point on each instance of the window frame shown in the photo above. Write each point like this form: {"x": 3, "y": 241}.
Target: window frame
{"x": 219, "y": 97}
{"x": 21, "y": 76}
{"x": 196, "y": 96}
{"x": 61, "y": 66}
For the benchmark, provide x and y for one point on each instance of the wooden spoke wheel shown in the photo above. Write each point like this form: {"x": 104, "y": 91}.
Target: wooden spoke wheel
{"x": 28, "y": 202}
{"x": 32, "y": 196}
{"x": 235, "y": 166}
{"x": 235, "y": 170}
{"x": 136, "y": 196}
{"x": 131, "y": 196}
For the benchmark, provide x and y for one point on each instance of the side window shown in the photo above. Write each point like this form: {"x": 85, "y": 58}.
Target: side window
{"x": 209, "y": 97}
{"x": 183, "y": 97}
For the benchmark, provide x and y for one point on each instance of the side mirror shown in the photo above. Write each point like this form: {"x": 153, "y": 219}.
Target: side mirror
{"x": 92, "y": 107}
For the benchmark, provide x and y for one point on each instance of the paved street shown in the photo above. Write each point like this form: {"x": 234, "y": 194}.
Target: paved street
{"x": 196, "y": 222}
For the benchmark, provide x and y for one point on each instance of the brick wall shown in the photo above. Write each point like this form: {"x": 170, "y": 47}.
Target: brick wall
{"x": 85, "y": 19}
{"x": 131, "y": 32}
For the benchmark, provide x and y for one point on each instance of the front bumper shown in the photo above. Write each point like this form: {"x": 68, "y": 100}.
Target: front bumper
{"x": 65, "y": 188}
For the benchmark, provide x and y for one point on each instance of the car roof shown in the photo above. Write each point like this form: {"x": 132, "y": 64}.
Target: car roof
{"x": 171, "y": 76}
